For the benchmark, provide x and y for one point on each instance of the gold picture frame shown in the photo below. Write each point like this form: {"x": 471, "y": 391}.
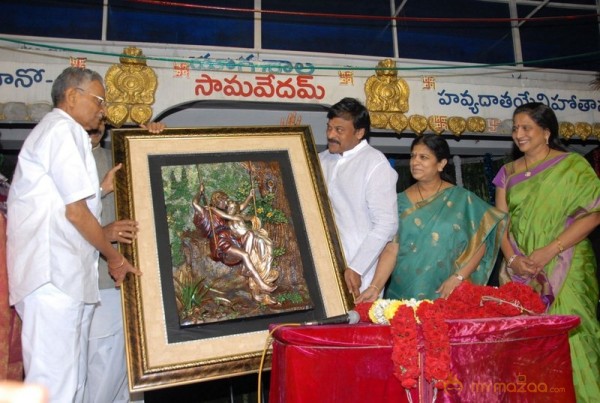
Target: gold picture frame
{"x": 229, "y": 329}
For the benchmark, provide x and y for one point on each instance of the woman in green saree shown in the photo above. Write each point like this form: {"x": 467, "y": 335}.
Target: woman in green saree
{"x": 446, "y": 233}
{"x": 553, "y": 201}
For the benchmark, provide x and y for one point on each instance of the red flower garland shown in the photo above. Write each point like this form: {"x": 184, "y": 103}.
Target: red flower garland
{"x": 467, "y": 301}
{"x": 437, "y": 343}
{"x": 405, "y": 352}
{"x": 363, "y": 311}
{"x": 470, "y": 301}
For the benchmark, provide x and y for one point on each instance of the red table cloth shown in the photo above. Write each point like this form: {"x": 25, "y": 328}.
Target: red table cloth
{"x": 517, "y": 359}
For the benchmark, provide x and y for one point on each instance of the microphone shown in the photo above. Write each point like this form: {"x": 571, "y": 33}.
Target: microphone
{"x": 350, "y": 318}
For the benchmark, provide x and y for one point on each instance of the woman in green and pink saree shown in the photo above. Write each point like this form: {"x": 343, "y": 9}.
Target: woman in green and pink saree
{"x": 553, "y": 200}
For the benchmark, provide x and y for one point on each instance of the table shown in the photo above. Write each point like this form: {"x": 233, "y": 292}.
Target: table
{"x": 524, "y": 359}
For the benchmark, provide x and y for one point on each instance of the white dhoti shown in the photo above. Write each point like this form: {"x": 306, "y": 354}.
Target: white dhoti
{"x": 54, "y": 336}
{"x": 107, "y": 375}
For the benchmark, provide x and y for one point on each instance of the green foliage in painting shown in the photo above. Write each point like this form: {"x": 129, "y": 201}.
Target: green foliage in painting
{"x": 190, "y": 293}
{"x": 264, "y": 206}
{"x": 293, "y": 297}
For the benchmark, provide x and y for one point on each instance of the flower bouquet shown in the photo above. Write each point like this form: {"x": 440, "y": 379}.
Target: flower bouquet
{"x": 411, "y": 319}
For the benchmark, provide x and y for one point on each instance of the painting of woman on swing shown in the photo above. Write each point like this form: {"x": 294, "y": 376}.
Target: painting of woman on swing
{"x": 234, "y": 243}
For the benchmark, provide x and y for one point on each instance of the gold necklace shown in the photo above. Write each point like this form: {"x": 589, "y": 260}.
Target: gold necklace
{"x": 527, "y": 172}
{"x": 436, "y": 192}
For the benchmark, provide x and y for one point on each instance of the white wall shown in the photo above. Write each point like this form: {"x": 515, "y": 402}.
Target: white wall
{"x": 459, "y": 90}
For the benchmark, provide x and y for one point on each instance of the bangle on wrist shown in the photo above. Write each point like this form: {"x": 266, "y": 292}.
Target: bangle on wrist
{"x": 561, "y": 249}
{"x": 119, "y": 266}
{"x": 510, "y": 261}
{"x": 459, "y": 277}
{"x": 374, "y": 286}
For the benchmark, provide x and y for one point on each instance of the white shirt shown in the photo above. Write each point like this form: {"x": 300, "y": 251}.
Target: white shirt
{"x": 55, "y": 168}
{"x": 361, "y": 185}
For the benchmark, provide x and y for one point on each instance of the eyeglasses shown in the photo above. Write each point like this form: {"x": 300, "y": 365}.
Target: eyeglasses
{"x": 99, "y": 100}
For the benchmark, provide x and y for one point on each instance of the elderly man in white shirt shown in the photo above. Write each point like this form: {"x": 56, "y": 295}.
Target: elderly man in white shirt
{"x": 54, "y": 236}
{"x": 361, "y": 185}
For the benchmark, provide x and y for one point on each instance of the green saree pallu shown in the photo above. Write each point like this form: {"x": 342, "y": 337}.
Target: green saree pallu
{"x": 438, "y": 236}
{"x": 542, "y": 203}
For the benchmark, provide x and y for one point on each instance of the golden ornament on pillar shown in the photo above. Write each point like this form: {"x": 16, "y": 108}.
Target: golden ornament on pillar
{"x": 583, "y": 130}
{"x": 437, "y": 124}
{"x": 417, "y": 124}
{"x": 596, "y": 130}
{"x": 379, "y": 120}
{"x": 387, "y": 96}
{"x": 130, "y": 89}
{"x": 566, "y": 130}
{"x": 398, "y": 122}
{"x": 476, "y": 124}
{"x": 457, "y": 125}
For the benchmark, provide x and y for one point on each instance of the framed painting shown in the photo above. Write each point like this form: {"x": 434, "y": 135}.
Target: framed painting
{"x": 236, "y": 233}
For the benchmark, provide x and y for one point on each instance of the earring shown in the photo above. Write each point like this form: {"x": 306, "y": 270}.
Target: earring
{"x": 547, "y": 139}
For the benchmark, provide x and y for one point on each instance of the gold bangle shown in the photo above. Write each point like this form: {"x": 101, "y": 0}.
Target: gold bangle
{"x": 119, "y": 266}
{"x": 375, "y": 287}
{"x": 560, "y": 246}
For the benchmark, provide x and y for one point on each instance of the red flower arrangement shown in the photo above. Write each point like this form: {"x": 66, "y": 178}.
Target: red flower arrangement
{"x": 405, "y": 350}
{"x": 363, "y": 311}
{"x": 437, "y": 343}
{"x": 468, "y": 301}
